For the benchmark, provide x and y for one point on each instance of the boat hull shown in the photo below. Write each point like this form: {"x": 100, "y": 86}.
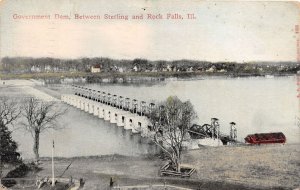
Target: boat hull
{"x": 266, "y": 138}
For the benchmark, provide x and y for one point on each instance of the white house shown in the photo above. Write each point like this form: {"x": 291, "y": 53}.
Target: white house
{"x": 135, "y": 68}
{"x": 95, "y": 69}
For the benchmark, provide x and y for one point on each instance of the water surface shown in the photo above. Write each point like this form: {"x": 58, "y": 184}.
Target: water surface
{"x": 257, "y": 105}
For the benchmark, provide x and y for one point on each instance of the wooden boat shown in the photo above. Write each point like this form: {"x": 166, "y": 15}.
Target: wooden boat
{"x": 185, "y": 171}
{"x": 265, "y": 138}
{"x": 60, "y": 183}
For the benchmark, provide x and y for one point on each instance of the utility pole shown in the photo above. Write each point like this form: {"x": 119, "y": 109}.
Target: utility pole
{"x": 53, "y": 178}
{"x": 297, "y": 117}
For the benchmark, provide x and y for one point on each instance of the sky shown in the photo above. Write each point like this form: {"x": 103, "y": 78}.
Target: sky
{"x": 222, "y": 31}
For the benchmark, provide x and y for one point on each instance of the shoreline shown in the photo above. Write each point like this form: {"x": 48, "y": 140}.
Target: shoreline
{"x": 132, "y": 76}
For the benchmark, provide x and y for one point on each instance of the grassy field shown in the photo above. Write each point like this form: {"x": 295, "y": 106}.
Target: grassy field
{"x": 264, "y": 166}
{"x": 235, "y": 167}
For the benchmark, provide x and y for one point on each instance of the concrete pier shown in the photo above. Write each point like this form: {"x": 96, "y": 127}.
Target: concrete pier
{"x": 126, "y": 119}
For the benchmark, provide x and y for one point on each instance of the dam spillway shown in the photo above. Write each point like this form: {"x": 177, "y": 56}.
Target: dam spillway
{"x": 130, "y": 121}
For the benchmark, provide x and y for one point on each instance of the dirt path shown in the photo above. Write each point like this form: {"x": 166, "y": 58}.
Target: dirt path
{"x": 27, "y": 88}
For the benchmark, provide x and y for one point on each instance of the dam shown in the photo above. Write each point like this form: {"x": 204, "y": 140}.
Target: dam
{"x": 133, "y": 115}
{"x": 112, "y": 108}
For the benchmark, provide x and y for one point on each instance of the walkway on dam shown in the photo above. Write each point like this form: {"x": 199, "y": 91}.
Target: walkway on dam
{"x": 126, "y": 119}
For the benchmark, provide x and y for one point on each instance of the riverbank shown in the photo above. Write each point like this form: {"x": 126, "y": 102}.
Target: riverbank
{"x": 132, "y": 76}
{"x": 232, "y": 167}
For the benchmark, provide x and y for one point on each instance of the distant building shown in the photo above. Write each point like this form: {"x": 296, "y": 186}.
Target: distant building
{"x": 211, "y": 69}
{"x": 190, "y": 69}
{"x": 223, "y": 71}
{"x": 169, "y": 68}
{"x": 35, "y": 69}
{"x": 120, "y": 69}
{"x": 95, "y": 69}
{"x": 135, "y": 68}
{"x": 48, "y": 68}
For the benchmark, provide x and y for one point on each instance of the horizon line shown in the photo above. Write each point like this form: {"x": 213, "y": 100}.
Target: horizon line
{"x": 151, "y": 60}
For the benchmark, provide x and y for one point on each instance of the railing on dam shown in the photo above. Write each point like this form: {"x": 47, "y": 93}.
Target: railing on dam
{"x": 134, "y": 106}
{"x": 130, "y": 121}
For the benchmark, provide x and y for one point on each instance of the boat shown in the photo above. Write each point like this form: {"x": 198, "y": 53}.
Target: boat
{"x": 185, "y": 170}
{"x": 265, "y": 138}
{"x": 60, "y": 183}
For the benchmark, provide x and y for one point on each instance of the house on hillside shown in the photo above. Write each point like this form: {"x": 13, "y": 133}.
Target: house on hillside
{"x": 211, "y": 69}
{"x": 120, "y": 69}
{"x": 96, "y": 69}
{"x": 135, "y": 69}
{"x": 35, "y": 69}
{"x": 169, "y": 68}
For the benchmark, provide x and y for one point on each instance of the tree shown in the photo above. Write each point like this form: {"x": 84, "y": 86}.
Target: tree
{"x": 40, "y": 116}
{"x": 9, "y": 112}
{"x": 140, "y": 64}
{"x": 8, "y": 147}
{"x": 171, "y": 121}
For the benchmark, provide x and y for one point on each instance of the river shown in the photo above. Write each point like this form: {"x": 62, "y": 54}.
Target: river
{"x": 255, "y": 104}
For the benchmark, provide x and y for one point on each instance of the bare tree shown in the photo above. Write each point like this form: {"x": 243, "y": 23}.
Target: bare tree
{"x": 40, "y": 116}
{"x": 9, "y": 111}
{"x": 171, "y": 122}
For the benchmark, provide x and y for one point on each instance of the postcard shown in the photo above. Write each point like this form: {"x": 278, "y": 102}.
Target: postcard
{"x": 149, "y": 94}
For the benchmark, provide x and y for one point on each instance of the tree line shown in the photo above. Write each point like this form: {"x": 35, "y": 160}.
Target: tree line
{"x": 19, "y": 65}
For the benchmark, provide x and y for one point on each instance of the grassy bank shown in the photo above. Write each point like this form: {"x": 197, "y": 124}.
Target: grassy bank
{"x": 235, "y": 167}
